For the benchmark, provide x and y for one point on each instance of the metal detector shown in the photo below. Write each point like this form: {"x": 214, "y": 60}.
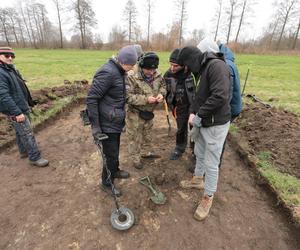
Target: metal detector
{"x": 121, "y": 218}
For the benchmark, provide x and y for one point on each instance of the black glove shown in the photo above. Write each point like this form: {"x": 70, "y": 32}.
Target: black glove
{"x": 99, "y": 136}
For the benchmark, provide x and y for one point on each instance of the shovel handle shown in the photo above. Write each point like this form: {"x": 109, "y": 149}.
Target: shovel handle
{"x": 149, "y": 185}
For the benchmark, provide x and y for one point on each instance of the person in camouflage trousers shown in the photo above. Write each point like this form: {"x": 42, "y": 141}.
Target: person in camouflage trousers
{"x": 145, "y": 89}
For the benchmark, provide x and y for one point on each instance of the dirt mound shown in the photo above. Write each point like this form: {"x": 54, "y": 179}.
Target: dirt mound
{"x": 273, "y": 130}
{"x": 44, "y": 99}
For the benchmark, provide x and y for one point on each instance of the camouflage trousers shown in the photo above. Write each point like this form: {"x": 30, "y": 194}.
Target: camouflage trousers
{"x": 139, "y": 136}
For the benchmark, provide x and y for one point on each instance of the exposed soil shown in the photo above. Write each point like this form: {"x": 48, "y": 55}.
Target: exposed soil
{"x": 273, "y": 130}
{"x": 44, "y": 99}
{"x": 62, "y": 207}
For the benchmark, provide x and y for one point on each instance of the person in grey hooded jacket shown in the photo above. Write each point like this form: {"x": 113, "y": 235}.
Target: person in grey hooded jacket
{"x": 210, "y": 118}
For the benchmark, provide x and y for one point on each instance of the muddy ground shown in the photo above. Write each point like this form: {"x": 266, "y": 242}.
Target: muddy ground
{"x": 61, "y": 207}
{"x": 44, "y": 100}
{"x": 272, "y": 130}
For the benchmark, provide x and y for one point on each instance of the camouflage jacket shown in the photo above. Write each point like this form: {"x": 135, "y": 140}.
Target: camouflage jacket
{"x": 138, "y": 91}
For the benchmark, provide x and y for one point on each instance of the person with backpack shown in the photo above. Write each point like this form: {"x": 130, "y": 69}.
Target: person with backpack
{"x": 16, "y": 103}
{"x": 210, "y": 116}
{"x": 236, "y": 103}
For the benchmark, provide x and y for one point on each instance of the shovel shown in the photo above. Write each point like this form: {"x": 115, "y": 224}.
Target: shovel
{"x": 158, "y": 197}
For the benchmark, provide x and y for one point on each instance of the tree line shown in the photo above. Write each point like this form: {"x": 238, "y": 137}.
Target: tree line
{"x": 28, "y": 25}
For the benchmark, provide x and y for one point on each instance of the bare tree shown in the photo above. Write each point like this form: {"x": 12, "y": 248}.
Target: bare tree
{"x": 4, "y": 14}
{"x": 231, "y": 12}
{"x": 130, "y": 13}
{"x": 25, "y": 22}
{"x": 246, "y": 10}
{"x": 285, "y": 8}
{"x": 149, "y": 12}
{"x": 196, "y": 36}
{"x": 58, "y": 6}
{"x": 85, "y": 17}
{"x": 182, "y": 12}
{"x": 219, "y": 12}
{"x": 116, "y": 37}
{"x": 12, "y": 23}
{"x": 296, "y": 36}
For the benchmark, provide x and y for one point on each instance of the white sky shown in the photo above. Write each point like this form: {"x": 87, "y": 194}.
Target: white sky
{"x": 200, "y": 15}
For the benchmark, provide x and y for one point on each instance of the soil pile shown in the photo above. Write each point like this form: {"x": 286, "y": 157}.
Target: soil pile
{"x": 44, "y": 99}
{"x": 273, "y": 130}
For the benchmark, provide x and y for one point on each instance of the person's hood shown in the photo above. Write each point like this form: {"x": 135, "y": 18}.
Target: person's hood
{"x": 228, "y": 54}
{"x": 191, "y": 57}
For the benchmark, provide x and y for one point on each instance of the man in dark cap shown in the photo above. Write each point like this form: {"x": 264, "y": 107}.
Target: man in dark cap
{"x": 180, "y": 85}
{"x": 145, "y": 89}
{"x": 210, "y": 117}
{"x": 106, "y": 109}
{"x": 16, "y": 103}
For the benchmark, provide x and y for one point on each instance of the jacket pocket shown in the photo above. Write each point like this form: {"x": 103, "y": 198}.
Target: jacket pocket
{"x": 117, "y": 116}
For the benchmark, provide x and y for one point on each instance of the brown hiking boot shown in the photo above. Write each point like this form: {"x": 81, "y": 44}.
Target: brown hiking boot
{"x": 203, "y": 208}
{"x": 195, "y": 182}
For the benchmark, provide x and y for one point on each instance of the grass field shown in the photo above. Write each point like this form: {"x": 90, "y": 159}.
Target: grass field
{"x": 271, "y": 77}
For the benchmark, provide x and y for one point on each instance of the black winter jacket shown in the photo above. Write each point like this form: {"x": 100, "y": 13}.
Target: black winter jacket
{"x": 180, "y": 86}
{"x": 212, "y": 100}
{"x": 106, "y": 99}
{"x": 15, "y": 97}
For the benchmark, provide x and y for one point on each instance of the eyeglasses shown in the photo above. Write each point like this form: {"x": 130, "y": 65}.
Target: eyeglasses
{"x": 9, "y": 55}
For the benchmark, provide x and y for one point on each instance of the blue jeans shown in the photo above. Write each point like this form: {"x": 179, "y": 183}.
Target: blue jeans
{"x": 25, "y": 139}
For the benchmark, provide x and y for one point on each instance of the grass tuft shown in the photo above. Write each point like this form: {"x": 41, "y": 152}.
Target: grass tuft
{"x": 286, "y": 185}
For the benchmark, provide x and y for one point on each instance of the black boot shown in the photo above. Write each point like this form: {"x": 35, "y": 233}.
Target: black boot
{"x": 175, "y": 155}
{"x": 108, "y": 189}
{"x": 121, "y": 174}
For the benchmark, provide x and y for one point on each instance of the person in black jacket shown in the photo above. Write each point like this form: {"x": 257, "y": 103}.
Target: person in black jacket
{"x": 16, "y": 103}
{"x": 210, "y": 118}
{"x": 106, "y": 110}
{"x": 181, "y": 85}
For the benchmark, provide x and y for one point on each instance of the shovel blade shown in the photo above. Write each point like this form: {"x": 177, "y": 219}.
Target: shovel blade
{"x": 158, "y": 198}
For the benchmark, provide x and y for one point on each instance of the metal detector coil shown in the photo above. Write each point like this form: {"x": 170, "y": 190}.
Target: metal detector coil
{"x": 122, "y": 219}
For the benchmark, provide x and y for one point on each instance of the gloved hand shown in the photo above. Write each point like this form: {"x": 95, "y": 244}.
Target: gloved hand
{"x": 98, "y": 135}
{"x": 195, "y": 133}
{"x": 197, "y": 121}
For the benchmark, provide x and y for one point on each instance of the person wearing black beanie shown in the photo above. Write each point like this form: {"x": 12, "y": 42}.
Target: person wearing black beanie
{"x": 210, "y": 117}
{"x": 180, "y": 95}
{"x": 144, "y": 91}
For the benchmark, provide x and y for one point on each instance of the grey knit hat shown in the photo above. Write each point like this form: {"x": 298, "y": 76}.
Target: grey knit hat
{"x": 127, "y": 55}
{"x": 139, "y": 50}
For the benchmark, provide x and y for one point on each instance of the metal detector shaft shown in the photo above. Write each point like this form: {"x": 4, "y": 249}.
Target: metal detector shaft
{"x": 100, "y": 149}
{"x": 167, "y": 114}
{"x": 246, "y": 79}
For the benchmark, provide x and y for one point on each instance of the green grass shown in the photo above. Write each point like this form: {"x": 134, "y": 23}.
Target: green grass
{"x": 286, "y": 185}
{"x": 274, "y": 77}
{"x": 234, "y": 129}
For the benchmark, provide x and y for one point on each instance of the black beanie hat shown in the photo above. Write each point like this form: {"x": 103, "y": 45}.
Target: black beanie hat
{"x": 191, "y": 57}
{"x": 149, "y": 60}
{"x": 173, "y": 56}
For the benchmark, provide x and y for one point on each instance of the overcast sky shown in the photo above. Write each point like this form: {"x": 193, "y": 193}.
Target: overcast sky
{"x": 200, "y": 16}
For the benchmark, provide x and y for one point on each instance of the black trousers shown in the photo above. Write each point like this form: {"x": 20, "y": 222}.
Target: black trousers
{"x": 111, "y": 148}
{"x": 182, "y": 117}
